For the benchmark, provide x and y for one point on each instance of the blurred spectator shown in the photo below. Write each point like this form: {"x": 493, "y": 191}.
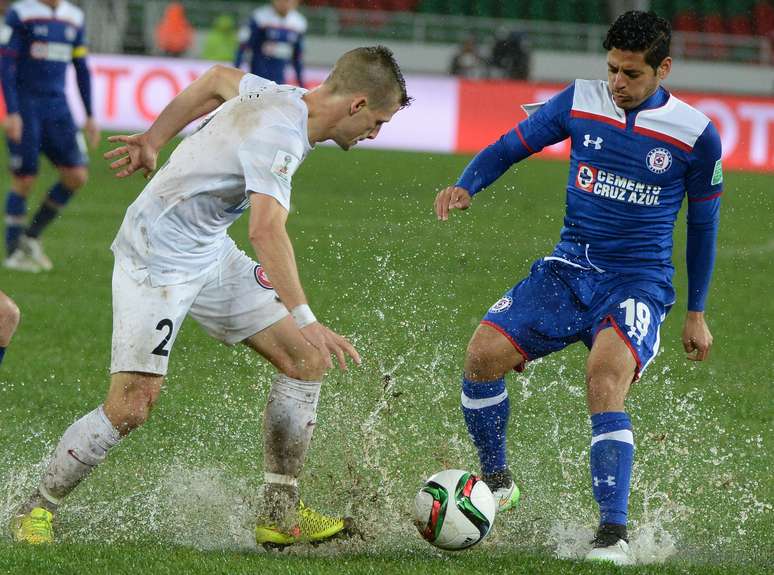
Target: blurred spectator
{"x": 174, "y": 34}
{"x": 221, "y": 41}
{"x": 468, "y": 63}
{"x": 275, "y": 37}
{"x": 510, "y": 55}
{"x": 107, "y": 22}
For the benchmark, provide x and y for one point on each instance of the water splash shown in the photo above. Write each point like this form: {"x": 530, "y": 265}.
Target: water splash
{"x": 697, "y": 492}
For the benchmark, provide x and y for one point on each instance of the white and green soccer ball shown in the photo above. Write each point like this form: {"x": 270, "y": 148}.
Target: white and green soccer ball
{"x": 454, "y": 510}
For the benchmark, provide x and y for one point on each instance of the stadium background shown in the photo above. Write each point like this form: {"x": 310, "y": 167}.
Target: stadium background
{"x": 713, "y": 39}
{"x": 362, "y": 229}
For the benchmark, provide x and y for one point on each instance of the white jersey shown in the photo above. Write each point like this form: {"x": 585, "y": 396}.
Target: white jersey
{"x": 176, "y": 229}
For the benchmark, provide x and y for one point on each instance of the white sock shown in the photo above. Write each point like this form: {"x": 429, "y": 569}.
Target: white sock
{"x": 288, "y": 424}
{"x": 83, "y": 446}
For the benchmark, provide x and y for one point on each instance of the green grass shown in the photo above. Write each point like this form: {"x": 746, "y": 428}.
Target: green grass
{"x": 178, "y": 495}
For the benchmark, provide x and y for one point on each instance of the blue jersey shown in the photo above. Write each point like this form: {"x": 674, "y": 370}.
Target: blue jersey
{"x": 274, "y": 42}
{"x": 629, "y": 172}
{"x": 38, "y": 44}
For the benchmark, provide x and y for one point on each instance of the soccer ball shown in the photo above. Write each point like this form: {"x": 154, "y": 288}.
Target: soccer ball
{"x": 454, "y": 510}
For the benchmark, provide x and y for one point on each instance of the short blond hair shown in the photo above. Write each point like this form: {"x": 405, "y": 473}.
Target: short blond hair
{"x": 371, "y": 70}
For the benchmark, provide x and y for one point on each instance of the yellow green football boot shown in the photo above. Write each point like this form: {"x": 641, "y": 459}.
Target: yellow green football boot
{"x": 312, "y": 527}
{"x": 504, "y": 489}
{"x": 34, "y": 527}
{"x": 507, "y": 497}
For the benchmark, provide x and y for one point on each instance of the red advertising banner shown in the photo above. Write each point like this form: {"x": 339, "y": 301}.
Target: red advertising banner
{"x": 448, "y": 114}
{"x": 745, "y": 124}
{"x": 128, "y": 92}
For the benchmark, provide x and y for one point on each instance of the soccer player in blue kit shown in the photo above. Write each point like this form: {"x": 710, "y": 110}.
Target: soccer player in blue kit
{"x": 274, "y": 38}
{"x": 637, "y": 150}
{"x": 39, "y": 40}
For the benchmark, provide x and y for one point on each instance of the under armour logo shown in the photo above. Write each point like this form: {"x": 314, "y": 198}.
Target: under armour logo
{"x": 610, "y": 481}
{"x": 597, "y": 142}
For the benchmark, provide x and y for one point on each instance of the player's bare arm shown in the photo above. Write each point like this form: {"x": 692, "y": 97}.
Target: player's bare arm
{"x": 275, "y": 252}
{"x": 202, "y": 96}
{"x": 697, "y": 339}
{"x": 451, "y": 198}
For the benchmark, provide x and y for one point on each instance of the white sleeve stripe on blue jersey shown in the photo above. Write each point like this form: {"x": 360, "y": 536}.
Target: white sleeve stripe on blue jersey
{"x": 597, "y": 117}
{"x": 592, "y": 97}
{"x": 675, "y": 121}
{"x": 664, "y": 138}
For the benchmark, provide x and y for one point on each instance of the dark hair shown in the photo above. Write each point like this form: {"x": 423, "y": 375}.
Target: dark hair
{"x": 373, "y": 69}
{"x": 646, "y": 32}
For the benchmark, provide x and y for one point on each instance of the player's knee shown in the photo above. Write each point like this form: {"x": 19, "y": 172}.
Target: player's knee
{"x": 10, "y": 316}
{"x": 75, "y": 178}
{"x": 130, "y": 408}
{"x": 477, "y": 362}
{"x": 23, "y": 185}
{"x": 485, "y": 362}
{"x": 600, "y": 381}
{"x": 606, "y": 388}
{"x": 308, "y": 366}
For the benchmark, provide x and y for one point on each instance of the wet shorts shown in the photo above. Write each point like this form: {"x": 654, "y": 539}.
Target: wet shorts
{"x": 232, "y": 301}
{"x": 560, "y": 303}
{"x": 48, "y": 128}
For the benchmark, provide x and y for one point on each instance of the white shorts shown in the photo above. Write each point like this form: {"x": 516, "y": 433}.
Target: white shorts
{"x": 231, "y": 302}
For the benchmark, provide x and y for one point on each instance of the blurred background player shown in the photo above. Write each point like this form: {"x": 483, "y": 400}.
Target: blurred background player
{"x": 9, "y": 321}
{"x": 174, "y": 258}
{"x": 637, "y": 151}
{"x": 467, "y": 62}
{"x": 44, "y": 36}
{"x": 511, "y": 54}
{"x": 274, "y": 37}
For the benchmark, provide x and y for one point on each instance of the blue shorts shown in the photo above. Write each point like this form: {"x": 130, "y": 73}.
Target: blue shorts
{"x": 48, "y": 127}
{"x": 560, "y": 303}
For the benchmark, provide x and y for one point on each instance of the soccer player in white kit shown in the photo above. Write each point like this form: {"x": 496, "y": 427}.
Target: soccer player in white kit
{"x": 173, "y": 258}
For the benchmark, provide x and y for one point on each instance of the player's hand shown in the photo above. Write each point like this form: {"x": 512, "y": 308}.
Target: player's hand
{"x": 697, "y": 339}
{"x": 13, "y": 127}
{"x": 451, "y": 198}
{"x": 91, "y": 131}
{"x": 330, "y": 343}
{"x": 135, "y": 154}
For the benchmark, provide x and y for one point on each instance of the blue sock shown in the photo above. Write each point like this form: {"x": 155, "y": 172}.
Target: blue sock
{"x": 58, "y": 196}
{"x": 486, "y": 408}
{"x": 612, "y": 456}
{"x": 15, "y": 214}
{"x": 2, "y": 354}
